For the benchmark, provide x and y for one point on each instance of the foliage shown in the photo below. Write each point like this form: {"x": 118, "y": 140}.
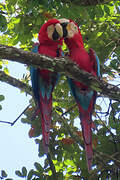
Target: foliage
{"x": 20, "y": 21}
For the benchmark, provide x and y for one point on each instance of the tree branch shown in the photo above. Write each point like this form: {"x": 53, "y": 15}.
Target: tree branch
{"x": 106, "y": 156}
{"x": 62, "y": 65}
{"x": 12, "y": 123}
{"x": 86, "y": 2}
{"x": 15, "y": 82}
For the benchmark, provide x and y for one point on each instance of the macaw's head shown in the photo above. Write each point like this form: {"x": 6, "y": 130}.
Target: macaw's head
{"x": 51, "y": 31}
{"x": 71, "y": 32}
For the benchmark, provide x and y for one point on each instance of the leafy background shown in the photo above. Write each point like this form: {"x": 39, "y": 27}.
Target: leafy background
{"x": 20, "y": 21}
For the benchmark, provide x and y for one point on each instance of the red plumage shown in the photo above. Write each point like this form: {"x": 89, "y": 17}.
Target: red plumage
{"x": 43, "y": 80}
{"x": 84, "y": 97}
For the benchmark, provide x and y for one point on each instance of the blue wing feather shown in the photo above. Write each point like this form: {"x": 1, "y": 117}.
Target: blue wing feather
{"x": 34, "y": 75}
{"x": 34, "y": 81}
{"x": 94, "y": 58}
{"x": 83, "y": 98}
{"x": 39, "y": 85}
{"x": 98, "y": 65}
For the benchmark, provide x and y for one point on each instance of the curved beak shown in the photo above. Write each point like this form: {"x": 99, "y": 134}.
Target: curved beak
{"x": 65, "y": 29}
{"x": 59, "y": 29}
{"x": 64, "y": 23}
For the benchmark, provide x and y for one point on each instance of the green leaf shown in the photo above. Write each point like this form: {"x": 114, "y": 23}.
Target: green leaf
{"x": 6, "y": 70}
{"x": 91, "y": 12}
{"x": 2, "y": 97}
{"x": 106, "y": 9}
{"x": 99, "y": 11}
{"x": 30, "y": 174}
{"x": 3, "y": 23}
{"x": 24, "y": 171}
{"x": 18, "y": 173}
{"x": 0, "y": 107}
{"x": 3, "y": 173}
{"x": 38, "y": 167}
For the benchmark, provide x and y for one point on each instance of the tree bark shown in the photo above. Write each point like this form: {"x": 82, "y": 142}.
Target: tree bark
{"x": 86, "y": 2}
{"x": 61, "y": 65}
{"x": 15, "y": 82}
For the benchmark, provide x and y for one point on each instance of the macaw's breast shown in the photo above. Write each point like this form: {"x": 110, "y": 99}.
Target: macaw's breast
{"x": 50, "y": 50}
{"x": 81, "y": 57}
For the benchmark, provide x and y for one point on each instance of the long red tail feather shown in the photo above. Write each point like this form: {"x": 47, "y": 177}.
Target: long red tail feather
{"x": 87, "y": 136}
{"x": 46, "y": 111}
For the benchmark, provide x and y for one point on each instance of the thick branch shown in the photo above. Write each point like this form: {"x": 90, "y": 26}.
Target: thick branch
{"x": 86, "y": 2}
{"x": 15, "y": 82}
{"x": 62, "y": 65}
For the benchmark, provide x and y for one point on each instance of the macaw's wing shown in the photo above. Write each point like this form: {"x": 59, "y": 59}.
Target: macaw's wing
{"x": 47, "y": 80}
{"x": 81, "y": 94}
{"x": 95, "y": 62}
{"x": 34, "y": 74}
{"x": 34, "y": 81}
{"x": 43, "y": 82}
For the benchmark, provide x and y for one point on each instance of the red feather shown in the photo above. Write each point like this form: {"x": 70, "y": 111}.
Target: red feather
{"x": 46, "y": 81}
{"x": 87, "y": 62}
{"x": 46, "y": 112}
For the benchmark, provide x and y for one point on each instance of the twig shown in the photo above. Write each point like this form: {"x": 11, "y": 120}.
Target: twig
{"x": 105, "y": 126}
{"x": 70, "y": 130}
{"x": 52, "y": 167}
{"x": 12, "y": 123}
{"x": 20, "y": 115}
{"x": 113, "y": 136}
{"x": 7, "y": 122}
{"x": 103, "y": 155}
{"x": 69, "y": 110}
{"x": 107, "y": 112}
{"x": 111, "y": 52}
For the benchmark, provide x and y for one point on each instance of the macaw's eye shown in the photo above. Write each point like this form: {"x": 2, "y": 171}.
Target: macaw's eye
{"x": 73, "y": 27}
{"x": 71, "y": 30}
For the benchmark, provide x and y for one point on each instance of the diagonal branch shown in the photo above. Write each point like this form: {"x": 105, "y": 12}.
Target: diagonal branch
{"x": 15, "y": 82}
{"x": 62, "y": 65}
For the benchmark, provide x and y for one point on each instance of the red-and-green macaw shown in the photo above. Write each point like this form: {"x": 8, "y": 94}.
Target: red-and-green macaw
{"x": 43, "y": 80}
{"x": 84, "y": 97}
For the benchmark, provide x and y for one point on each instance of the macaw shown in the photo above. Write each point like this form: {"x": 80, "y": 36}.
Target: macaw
{"x": 84, "y": 97}
{"x": 43, "y": 80}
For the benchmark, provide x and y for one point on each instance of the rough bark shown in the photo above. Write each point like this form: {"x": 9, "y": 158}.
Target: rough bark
{"x": 86, "y": 2}
{"x": 15, "y": 82}
{"x": 62, "y": 65}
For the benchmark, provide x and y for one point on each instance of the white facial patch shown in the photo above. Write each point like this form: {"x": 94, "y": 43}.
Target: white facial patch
{"x": 59, "y": 29}
{"x": 50, "y": 30}
{"x": 72, "y": 29}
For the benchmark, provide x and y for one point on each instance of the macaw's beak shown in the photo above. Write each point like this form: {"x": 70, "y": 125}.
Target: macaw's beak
{"x": 64, "y": 27}
{"x": 58, "y": 32}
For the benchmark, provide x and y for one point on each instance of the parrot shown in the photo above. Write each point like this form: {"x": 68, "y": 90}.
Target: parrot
{"x": 84, "y": 97}
{"x": 43, "y": 81}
